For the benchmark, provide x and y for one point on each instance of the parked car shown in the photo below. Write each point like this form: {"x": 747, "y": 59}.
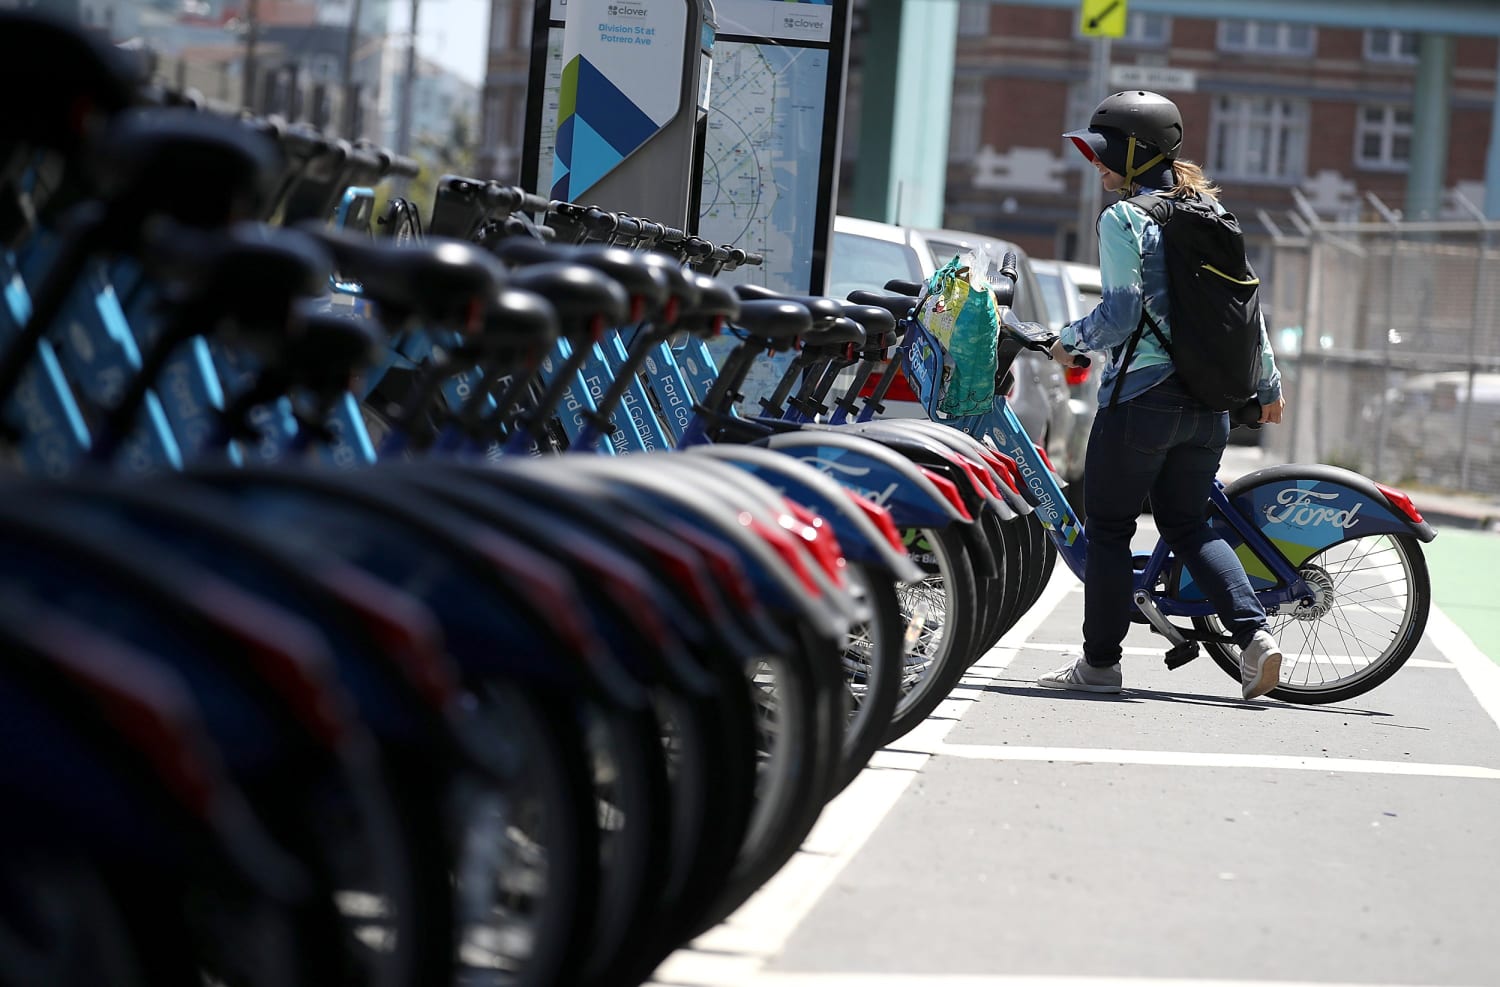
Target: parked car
{"x": 867, "y": 254}
{"x": 1072, "y": 291}
{"x": 1425, "y": 436}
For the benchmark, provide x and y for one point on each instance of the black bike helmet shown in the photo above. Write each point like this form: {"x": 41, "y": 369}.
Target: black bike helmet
{"x": 1131, "y": 133}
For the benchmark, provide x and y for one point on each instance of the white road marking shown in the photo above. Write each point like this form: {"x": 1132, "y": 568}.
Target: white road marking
{"x": 1480, "y": 674}
{"x": 962, "y": 980}
{"x": 1332, "y": 765}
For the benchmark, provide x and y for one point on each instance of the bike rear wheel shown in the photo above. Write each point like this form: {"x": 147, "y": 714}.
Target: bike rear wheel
{"x": 1372, "y": 596}
{"x": 942, "y": 617}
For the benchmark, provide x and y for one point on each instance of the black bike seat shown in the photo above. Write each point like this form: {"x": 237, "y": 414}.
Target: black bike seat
{"x": 834, "y": 333}
{"x": 200, "y": 169}
{"x": 252, "y": 276}
{"x": 516, "y": 251}
{"x": 583, "y": 298}
{"x": 438, "y": 280}
{"x": 717, "y": 304}
{"x": 821, "y": 308}
{"x": 900, "y": 287}
{"x": 60, "y": 80}
{"x": 330, "y": 348}
{"x": 682, "y": 287}
{"x": 516, "y": 317}
{"x": 773, "y": 319}
{"x": 873, "y": 318}
{"x": 897, "y": 305}
{"x": 643, "y": 280}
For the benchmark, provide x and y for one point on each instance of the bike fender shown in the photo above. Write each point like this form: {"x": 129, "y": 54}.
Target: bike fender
{"x": 861, "y": 539}
{"x": 871, "y": 469}
{"x": 1318, "y": 505}
{"x": 1303, "y": 509}
{"x": 940, "y": 458}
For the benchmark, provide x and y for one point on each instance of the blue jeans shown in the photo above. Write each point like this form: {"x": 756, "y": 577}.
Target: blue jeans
{"x": 1166, "y": 444}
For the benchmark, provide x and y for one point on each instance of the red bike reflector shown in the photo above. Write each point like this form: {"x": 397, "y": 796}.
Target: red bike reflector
{"x": 881, "y": 519}
{"x": 1045, "y": 458}
{"x": 1076, "y": 375}
{"x": 402, "y": 628}
{"x": 782, "y": 545}
{"x": 984, "y": 481}
{"x": 1007, "y": 469}
{"x": 819, "y": 537}
{"x": 949, "y": 490}
{"x": 141, "y": 702}
{"x": 1401, "y": 502}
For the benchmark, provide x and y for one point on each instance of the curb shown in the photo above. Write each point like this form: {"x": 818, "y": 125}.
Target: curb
{"x": 1439, "y": 518}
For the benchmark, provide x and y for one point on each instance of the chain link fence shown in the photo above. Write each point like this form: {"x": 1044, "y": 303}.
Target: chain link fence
{"x": 1388, "y": 338}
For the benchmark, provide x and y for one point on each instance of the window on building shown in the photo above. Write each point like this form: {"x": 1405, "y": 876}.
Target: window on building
{"x": 1382, "y": 138}
{"x": 1147, "y": 29}
{"x": 1391, "y": 46}
{"x": 966, "y": 122}
{"x": 1254, "y": 138}
{"x": 1267, "y": 37}
{"x": 974, "y": 17}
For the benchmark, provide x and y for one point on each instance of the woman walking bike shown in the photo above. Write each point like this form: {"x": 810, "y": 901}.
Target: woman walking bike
{"x": 1152, "y": 436}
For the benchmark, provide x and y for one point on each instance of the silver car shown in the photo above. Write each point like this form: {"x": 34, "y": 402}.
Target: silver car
{"x": 867, "y": 254}
{"x": 1072, "y": 291}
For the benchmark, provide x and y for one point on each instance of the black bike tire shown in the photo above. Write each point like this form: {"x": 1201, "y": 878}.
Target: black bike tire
{"x": 1004, "y": 595}
{"x": 808, "y": 704}
{"x": 959, "y": 626}
{"x": 1227, "y": 656}
{"x": 635, "y": 855}
{"x": 544, "y": 728}
{"x": 883, "y": 684}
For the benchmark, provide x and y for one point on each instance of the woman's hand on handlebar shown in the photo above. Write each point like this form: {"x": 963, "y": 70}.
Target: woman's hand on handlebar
{"x": 1065, "y": 358}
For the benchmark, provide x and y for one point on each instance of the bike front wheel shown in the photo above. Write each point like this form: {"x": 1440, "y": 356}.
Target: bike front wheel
{"x": 1371, "y": 599}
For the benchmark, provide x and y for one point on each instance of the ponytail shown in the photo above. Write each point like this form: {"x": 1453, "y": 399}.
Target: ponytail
{"x": 1191, "y": 181}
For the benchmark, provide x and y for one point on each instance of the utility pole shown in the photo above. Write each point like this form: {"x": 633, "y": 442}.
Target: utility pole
{"x": 1090, "y": 194}
{"x": 351, "y": 89}
{"x": 403, "y": 130}
{"x": 247, "y": 72}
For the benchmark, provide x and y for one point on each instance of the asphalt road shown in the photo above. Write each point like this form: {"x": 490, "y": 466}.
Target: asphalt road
{"x": 1174, "y": 834}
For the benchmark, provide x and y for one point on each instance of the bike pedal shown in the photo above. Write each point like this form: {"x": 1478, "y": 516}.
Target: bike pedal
{"x": 1181, "y": 654}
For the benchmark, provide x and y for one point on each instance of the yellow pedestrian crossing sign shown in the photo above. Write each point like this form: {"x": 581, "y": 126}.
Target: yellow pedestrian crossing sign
{"x": 1104, "y": 18}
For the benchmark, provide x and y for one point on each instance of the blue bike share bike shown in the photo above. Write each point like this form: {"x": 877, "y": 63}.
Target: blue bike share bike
{"x": 1334, "y": 557}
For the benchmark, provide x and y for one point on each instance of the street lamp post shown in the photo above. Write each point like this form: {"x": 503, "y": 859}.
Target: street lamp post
{"x": 403, "y": 130}
{"x": 247, "y": 73}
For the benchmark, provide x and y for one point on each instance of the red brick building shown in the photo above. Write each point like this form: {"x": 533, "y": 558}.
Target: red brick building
{"x": 1268, "y": 107}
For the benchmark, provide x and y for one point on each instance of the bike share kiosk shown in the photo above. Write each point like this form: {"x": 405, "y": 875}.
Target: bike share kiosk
{"x": 618, "y": 118}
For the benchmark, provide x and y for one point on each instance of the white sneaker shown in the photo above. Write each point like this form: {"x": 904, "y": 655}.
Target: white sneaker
{"x": 1082, "y": 676}
{"x": 1260, "y": 665}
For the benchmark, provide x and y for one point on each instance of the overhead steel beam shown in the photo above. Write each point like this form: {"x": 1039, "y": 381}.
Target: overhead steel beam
{"x": 1469, "y": 17}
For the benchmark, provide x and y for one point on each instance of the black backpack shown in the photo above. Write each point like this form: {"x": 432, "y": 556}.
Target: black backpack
{"x": 1214, "y": 299}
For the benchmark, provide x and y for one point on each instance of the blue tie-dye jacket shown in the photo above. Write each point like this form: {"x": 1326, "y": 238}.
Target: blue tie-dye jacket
{"x": 1132, "y": 268}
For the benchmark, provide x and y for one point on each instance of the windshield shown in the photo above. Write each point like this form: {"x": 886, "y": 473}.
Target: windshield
{"x": 1057, "y": 300}
{"x": 859, "y": 262}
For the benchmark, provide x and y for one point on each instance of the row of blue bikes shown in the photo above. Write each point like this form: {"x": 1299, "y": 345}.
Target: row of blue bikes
{"x": 402, "y": 596}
